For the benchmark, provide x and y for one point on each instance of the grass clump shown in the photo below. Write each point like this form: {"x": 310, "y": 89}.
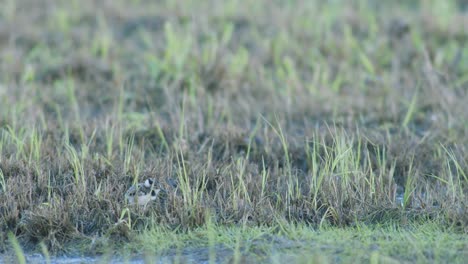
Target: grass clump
{"x": 355, "y": 117}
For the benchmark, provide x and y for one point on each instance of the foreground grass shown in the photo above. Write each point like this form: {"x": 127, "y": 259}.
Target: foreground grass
{"x": 262, "y": 116}
{"x": 388, "y": 243}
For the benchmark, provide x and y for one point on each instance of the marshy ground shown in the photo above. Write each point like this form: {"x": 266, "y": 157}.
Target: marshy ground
{"x": 300, "y": 131}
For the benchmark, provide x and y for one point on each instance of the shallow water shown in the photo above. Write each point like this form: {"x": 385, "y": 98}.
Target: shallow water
{"x": 220, "y": 255}
{"x": 399, "y": 199}
{"x": 38, "y": 258}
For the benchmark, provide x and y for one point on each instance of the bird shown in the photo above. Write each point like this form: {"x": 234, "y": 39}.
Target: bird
{"x": 143, "y": 193}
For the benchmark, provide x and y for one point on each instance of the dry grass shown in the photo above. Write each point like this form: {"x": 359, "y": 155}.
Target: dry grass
{"x": 262, "y": 112}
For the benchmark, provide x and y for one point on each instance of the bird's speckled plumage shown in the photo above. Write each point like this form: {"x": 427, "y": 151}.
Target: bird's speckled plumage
{"x": 143, "y": 193}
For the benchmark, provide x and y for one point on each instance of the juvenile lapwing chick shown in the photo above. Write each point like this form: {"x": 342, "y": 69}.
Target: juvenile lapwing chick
{"x": 143, "y": 193}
